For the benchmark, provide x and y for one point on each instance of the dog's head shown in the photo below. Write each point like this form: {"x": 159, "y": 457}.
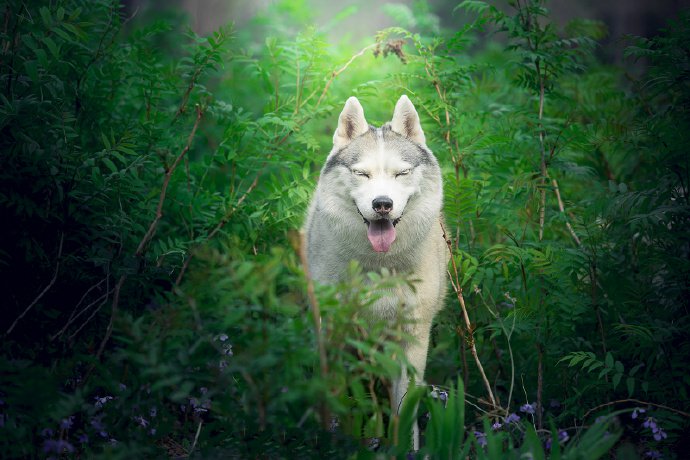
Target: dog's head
{"x": 381, "y": 171}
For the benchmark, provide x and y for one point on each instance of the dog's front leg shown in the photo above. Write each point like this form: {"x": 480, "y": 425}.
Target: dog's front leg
{"x": 415, "y": 352}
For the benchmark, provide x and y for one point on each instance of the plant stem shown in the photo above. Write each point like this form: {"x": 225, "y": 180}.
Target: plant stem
{"x": 458, "y": 291}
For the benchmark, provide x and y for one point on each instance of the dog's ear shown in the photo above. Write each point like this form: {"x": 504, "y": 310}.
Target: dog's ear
{"x": 406, "y": 121}
{"x": 351, "y": 123}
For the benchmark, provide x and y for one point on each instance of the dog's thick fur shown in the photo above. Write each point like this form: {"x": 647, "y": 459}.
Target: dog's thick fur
{"x": 379, "y": 201}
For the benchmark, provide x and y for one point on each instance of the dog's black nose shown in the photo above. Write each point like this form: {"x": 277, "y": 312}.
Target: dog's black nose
{"x": 382, "y": 205}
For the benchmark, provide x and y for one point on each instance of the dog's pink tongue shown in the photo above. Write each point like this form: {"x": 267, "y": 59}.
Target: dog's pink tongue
{"x": 381, "y": 234}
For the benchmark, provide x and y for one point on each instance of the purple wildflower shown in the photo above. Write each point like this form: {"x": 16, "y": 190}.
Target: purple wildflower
{"x": 223, "y": 337}
{"x": 496, "y": 426}
{"x": 66, "y": 423}
{"x": 653, "y": 454}
{"x": 222, "y": 365}
{"x": 141, "y": 421}
{"x": 481, "y": 438}
{"x": 548, "y": 444}
{"x": 512, "y": 418}
{"x": 528, "y": 408}
{"x": 83, "y": 438}
{"x": 100, "y": 402}
{"x": 439, "y": 394}
{"x": 650, "y": 423}
{"x": 637, "y": 411}
{"x": 58, "y": 446}
{"x": 563, "y": 436}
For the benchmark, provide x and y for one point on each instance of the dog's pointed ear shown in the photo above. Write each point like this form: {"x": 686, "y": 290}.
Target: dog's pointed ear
{"x": 351, "y": 123}
{"x": 406, "y": 121}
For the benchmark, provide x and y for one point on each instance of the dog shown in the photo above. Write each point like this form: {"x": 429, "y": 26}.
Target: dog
{"x": 379, "y": 201}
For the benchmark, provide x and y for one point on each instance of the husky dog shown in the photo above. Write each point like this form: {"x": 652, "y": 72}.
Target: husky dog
{"x": 378, "y": 201}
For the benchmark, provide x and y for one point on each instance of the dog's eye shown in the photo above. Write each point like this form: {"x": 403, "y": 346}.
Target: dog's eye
{"x": 404, "y": 172}
{"x": 358, "y": 172}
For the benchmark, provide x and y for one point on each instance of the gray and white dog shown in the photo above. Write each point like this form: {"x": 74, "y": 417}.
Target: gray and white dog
{"x": 378, "y": 201}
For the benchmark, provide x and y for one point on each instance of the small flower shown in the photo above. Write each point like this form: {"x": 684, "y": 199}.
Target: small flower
{"x": 528, "y": 408}
{"x": 563, "y": 436}
{"x": 100, "y": 402}
{"x": 223, "y": 337}
{"x": 83, "y": 438}
{"x": 335, "y": 423}
{"x": 66, "y": 423}
{"x": 637, "y": 411}
{"x": 653, "y": 454}
{"x": 481, "y": 438}
{"x": 141, "y": 421}
{"x": 227, "y": 349}
{"x": 650, "y": 423}
{"x": 58, "y": 446}
{"x": 439, "y": 394}
{"x": 496, "y": 426}
{"x": 512, "y": 418}
{"x": 548, "y": 444}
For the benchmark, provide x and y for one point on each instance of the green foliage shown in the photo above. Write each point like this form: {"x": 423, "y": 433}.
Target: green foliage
{"x": 153, "y": 181}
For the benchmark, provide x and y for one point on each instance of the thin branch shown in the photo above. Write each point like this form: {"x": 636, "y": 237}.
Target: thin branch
{"x": 646, "y": 403}
{"x": 164, "y": 188}
{"x": 341, "y": 70}
{"x": 544, "y": 172}
{"x": 562, "y": 208}
{"x": 316, "y": 314}
{"x": 150, "y": 232}
{"x": 457, "y": 287}
{"x": 46, "y": 289}
{"x": 196, "y": 437}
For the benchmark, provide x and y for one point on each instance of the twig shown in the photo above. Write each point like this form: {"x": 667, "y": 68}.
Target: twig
{"x": 149, "y": 233}
{"x": 164, "y": 188}
{"x": 46, "y": 289}
{"x": 562, "y": 208}
{"x": 316, "y": 313}
{"x": 544, "y": 172}
{"x": 458, "y": 291}
{"x": 341, "y": 70}
{"x": 611, "y": 403}
{"x": 196, "y": 438}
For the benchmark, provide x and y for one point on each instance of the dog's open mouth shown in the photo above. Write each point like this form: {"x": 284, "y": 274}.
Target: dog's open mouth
{"x": 381, "y": 234}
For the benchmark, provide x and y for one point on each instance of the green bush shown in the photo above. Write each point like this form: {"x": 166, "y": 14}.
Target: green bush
{"x": 153, "y": 182}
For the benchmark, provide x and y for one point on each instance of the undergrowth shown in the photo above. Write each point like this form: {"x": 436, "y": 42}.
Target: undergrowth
{"x": 153, "y": 182}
